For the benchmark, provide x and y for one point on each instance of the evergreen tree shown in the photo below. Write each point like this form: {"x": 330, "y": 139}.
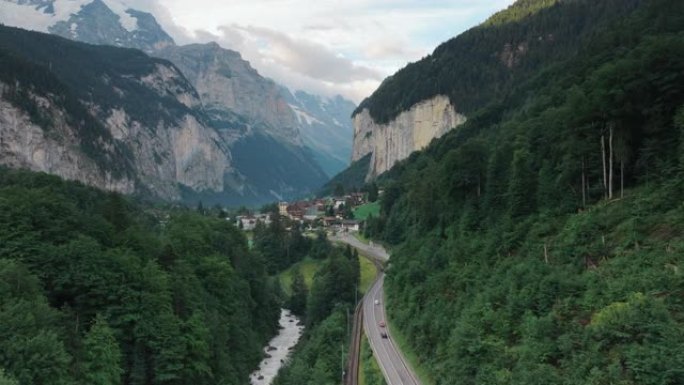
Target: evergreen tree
{"x": 300, "y": 293}
{"x": 679, "y": 123}
{"x": 339, "y": 190}
{"x": 102, "y": 356}
{"x": 372, "y": 192}
{"x": 5, "y": 379}
{"x": 521, "y": 185}
{"x": 546, "y": 190}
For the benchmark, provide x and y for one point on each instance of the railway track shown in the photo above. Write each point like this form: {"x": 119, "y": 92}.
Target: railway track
{"x": 354, "y": 358}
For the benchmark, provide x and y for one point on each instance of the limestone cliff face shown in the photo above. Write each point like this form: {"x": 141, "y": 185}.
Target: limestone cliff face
{"x": 206, "y": 128}
{"x": 24, "y": 144}
{"x": 228, "y": 85}
{"x": 136, "y": 157}
{"x": 411, "y": 131}
{"x": 185, "y": 153}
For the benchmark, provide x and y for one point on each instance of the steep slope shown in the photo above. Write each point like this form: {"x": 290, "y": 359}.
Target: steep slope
{"x": 227, "y": 84}
{"x": 540, "y": 243}
{"x": 95, "y": 280}
{"x": 120, "y": 120}
{"x": 325, "y": 127}
{"x": 113, "y": 118}
{"x": 253, "y": 118}
{"x": 108, "y": 22}
{"x": 237, "y": 100}
{"x": 477, "y": 67}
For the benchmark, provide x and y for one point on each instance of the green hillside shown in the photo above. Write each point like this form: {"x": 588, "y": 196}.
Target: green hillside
{"x": 95, "y": 289}
{"x": 492, "y": 60}
{"x": 541, "y": 243}
{"x": 350, "y": 179}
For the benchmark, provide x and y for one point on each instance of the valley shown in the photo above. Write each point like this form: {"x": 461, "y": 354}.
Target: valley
{"x": 210, "y": 194}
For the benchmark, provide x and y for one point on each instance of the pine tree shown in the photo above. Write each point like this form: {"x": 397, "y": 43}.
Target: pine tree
{"x": 679, "y": 122}
{"x": 372, "y": 192}
{"x": 546, "y": 188}
{"x": 6, "y": 380}
{"x": 300, "y": 293}
{"x": 520, "y": 186}
{"x": 102, "y": 356}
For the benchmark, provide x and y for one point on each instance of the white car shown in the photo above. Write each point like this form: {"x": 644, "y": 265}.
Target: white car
{"x": 377, "y": 302}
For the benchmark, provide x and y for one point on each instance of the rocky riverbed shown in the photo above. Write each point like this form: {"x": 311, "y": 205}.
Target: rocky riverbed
{"x": 278, "y": 349}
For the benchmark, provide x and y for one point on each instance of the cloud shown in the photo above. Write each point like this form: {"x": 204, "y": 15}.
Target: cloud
{"x": 326, "y": 46}
{"x": 306, "y": 57}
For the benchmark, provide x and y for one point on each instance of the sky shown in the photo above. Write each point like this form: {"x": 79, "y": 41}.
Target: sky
{"x": 328, "y": 47}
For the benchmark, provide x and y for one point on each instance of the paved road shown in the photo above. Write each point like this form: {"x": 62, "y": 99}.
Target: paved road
{"x": 391, "y": 361}
{"x": 372, "y": 250}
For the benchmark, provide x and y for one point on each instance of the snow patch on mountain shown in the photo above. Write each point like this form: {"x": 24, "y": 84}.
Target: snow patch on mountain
{"x": 129, "y": 22}
{"x": 40, "y": 16}
{"x": 303, "y": 117}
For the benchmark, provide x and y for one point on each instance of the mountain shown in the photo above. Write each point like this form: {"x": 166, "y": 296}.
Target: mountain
{"x": 120, "y": 120}
{"x": 252, "y": 118}
{"x": 241, "y": 105}
{"x": 108, "y": 22}
{"x": 438, "y": 93}
{"x": 110, "y": 117}
{"x": 325, "y": 127}
{"x": 540, "y": 241}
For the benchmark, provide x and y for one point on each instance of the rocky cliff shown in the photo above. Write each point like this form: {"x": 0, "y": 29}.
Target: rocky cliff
{"x": 231, "y": 90}
{"x": 245, "y": 112}
{"x": 325, "y": 127}
{"x": 410, "y": 131}
{"x": 130, "y": 125}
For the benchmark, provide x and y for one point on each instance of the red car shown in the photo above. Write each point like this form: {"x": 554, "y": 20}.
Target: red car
{"x": 382, "y": 324}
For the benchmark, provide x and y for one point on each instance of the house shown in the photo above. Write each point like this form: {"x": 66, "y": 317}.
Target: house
{"x": 249, "y": 222}
{"x": 337, "y": 202}
{"x": 312, "y": 213}
{"x": 282, "y": 208}
{"x": 351, "y": 226}
{"x": 357, "y": 199}
{"x": 330, "y": 221}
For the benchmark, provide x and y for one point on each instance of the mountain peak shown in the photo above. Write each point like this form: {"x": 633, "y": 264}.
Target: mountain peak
{"x": 109, "y": 22}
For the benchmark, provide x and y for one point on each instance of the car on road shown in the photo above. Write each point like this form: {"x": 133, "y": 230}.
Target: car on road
{"x": 383, "y": 335}
{"x": 377, "y": 302}
{"x": 381, "y": 324}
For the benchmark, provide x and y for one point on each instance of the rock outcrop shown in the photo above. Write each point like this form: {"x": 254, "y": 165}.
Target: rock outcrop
{"x": 24, "y": 144}
{"x": 229, "y": 86}
{"x": 411, "y": 131}
{"x": 241, "y": 112}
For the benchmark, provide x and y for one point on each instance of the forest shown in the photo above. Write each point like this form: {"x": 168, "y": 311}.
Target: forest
{"x": 497, "y": 57}
{"x": 327, "y": 308}
{"x": 96, "y": 289}
{"x": 541, "y": 242}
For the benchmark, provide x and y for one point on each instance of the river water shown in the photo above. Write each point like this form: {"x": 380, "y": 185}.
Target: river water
{"x": 278, "y": 349}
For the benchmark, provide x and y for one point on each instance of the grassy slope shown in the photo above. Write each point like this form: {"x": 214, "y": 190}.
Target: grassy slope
{"x": 308, "y": 267}
{"x": 368, "y": 273}
{"x": 362, "y": 212}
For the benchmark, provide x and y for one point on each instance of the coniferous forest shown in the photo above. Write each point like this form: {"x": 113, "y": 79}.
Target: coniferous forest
{"x": 95, "y": 289}
{"x": 543, "y": 241}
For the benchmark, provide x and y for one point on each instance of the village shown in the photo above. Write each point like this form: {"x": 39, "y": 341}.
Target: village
{"x": 343, "y": 213}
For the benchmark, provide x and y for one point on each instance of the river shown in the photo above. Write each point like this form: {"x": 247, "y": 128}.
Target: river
{"x": 278, "y": 349}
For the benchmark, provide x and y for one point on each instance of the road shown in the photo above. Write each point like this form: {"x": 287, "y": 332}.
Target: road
{"x": 392, "y": 363}
{"x": 374, "y": 251}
